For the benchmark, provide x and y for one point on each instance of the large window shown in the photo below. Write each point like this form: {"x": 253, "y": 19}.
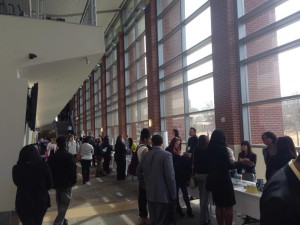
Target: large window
{"x": 97, "y": 101}
{"x": 112, "y": 93}
{"x": 185, "y": 66}
{"x": 269, "y": 51}
{"x": 135, "y": 69}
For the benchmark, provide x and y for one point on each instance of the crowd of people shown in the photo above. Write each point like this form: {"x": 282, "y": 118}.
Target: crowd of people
{"x": 161, "y": 174}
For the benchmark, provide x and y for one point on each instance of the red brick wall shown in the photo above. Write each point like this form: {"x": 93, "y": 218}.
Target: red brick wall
{"x": 84, "y": 107}
{"x": 121, "y": 84}
{"x": 263, "y": 77}
{"x": 152, "y": 66}
{"x": 226, "y": 76}
{"x": 103, "y": 96}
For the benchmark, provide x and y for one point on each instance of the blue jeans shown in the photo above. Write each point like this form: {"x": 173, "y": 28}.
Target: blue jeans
{"x": 63, "y": 197}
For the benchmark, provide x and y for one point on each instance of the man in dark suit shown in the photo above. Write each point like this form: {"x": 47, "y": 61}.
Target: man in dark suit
{"x": 280, "y": 202}
{"x": 156, "y": 172}
{"x": 63, "y": 169}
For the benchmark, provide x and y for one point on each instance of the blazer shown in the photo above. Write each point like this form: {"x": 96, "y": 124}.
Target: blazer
{"x": 63, "y": 168}
{"x": 33, "y": 183}
{"x": 280, "y": 201}
{"x": 156, "y": 173}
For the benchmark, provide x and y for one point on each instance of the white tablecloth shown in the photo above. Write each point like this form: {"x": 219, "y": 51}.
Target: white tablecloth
{"x": 247, "y": 203}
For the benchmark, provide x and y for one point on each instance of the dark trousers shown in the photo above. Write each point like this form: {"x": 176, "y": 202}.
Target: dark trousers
{"x": 106, "y": 163}
{"x": 85, "y": 168}
{"x": 185, "y": 197}
{"x": 94, "y": 160}
{"x": 34, "y": 218}
{"x": 121, "y": 168}
{"x": 142, "y": 200}
{"x": 160, "y": 213}
{"x": 63, "y": 197}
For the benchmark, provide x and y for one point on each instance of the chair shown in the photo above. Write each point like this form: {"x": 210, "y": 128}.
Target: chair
{"x": 249, "y": 177}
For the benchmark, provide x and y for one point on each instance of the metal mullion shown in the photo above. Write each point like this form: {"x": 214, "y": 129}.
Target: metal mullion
{"x": 274, "y": 26}
{"x": 273, "y": 100}
{"x": 260, "y": 9}
{"x": 167, "y": 9}
{"x": 270, "y": 52}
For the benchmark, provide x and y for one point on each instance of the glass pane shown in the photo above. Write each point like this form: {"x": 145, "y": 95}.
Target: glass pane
{"x": 162, "y": 4}
{"x": 275, "y": 76}
{"x": 172, "y": 82}
{"x": 141, "y": 68}
{"x": 204, "y": 123}
{"x": 141, "y": 25}
{"x": 172, "y": 47}
{"x": 270, "y": 117}
{"x": 199, "y": 54}
{"x": 202, "y": 21}
{"x": 201, "y": 95}
{"x": 173, "y": 102}
{"x": 130, "y": 37}
{"x": 171, "y": 68}
{"x": 143, "y": 110}
{"x": 141, "y": 46}
{"x": 250, "y": 4}
{"x": 191, "y": 6}
{"x": 171, "y": 19}
{"x": 273, "y": 39}
{"x": 132, "y": 113}
{"x": 199, "y": 71}
{"x": 130, "y": 56}
{"x": 175, "y": 123}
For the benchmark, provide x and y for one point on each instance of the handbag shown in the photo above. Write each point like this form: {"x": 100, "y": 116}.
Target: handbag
{"x": 192, "y": 183}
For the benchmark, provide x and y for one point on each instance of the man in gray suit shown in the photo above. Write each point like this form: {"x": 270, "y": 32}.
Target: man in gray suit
{"x": 156, "y": 173}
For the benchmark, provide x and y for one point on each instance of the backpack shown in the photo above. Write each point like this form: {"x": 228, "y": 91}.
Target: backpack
{"x": 134, "y": 161}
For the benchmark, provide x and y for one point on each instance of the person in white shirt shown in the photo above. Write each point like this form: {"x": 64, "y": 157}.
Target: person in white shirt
{"x": 86, "y": 152}
{"x": 51, "y": 147}
{"x": 72, "y": 146}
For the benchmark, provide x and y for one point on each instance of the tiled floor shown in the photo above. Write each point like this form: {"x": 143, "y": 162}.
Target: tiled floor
{"x": 104, "y": 201}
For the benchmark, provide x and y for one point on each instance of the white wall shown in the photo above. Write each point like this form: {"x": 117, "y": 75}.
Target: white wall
{"x": 52, "y": 42}
{"x": 12, "y": 119}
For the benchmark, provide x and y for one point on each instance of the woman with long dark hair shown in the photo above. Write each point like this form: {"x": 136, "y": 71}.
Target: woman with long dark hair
{"x": 201, "y": 168}
{"x": 269, "y": 139}
{"x": 248, "y": 154}
{"x": 183, "y": 170}
{"x": 218, "y": 178}
{"x": 33, "y": 179}
{"x": 120, "y": 158}
{"x": 285, "y": 152}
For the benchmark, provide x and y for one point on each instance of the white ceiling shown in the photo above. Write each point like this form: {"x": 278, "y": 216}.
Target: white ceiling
{"x": 71, "y": 10}
{"x": 59, "y": 80}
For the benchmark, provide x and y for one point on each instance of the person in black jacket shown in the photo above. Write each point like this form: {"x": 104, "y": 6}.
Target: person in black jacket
{"x": 285, "y": 152}
{"x": 99, "y": 156}
{"x": 218, "y": 178}
{"x": 106, "y": 148}
{"x": 246, "y": 153}
{"x": 183, "y": 171}
{"x": 33, "y": 179}
{"x": 280, "y": 201}
{"x": 63, "y": 168}
{"x": 120, "y": 158}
